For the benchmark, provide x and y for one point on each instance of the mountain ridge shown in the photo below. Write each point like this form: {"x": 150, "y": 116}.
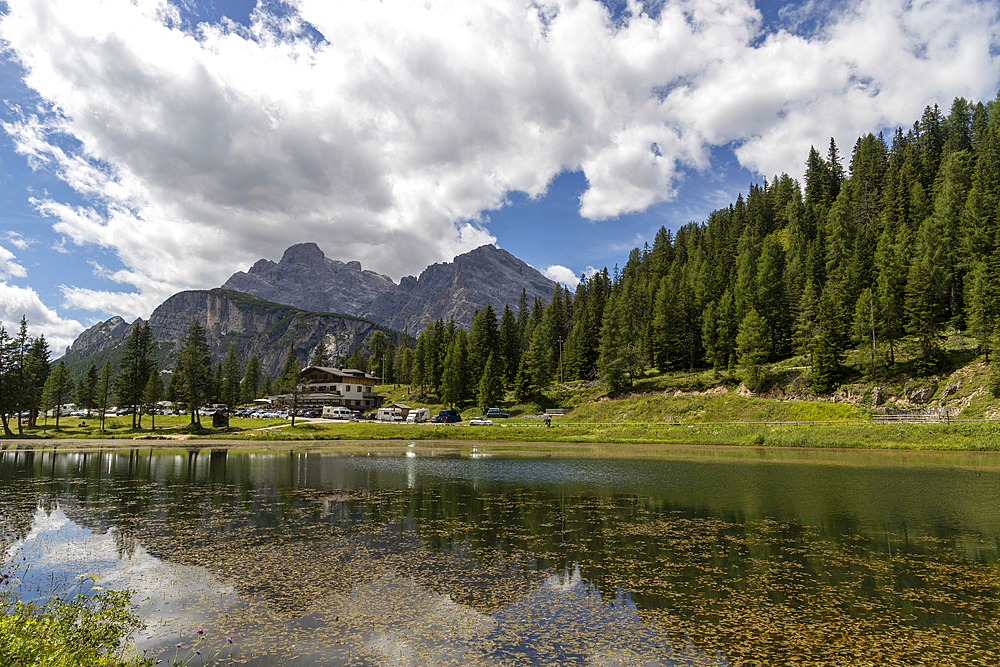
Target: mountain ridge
{"x": 307, "y": 279}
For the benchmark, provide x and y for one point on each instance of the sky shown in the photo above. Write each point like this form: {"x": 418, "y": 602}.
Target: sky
{"x": 153, "y": 146}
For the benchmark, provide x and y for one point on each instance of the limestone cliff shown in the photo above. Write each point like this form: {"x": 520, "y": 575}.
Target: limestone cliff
{"x": 251, "y": 324}
{"x": 307, "y": 279}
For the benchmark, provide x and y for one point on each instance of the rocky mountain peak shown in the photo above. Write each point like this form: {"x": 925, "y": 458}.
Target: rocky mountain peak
{"x": 305, "y": 254}
{"x": 307, "y": 279}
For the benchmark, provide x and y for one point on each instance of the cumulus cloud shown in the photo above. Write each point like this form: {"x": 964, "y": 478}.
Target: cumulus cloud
{"x": 8, "y": 267}
{"x": 382, "y": 131}
{"x": 562, "y": 274}
{"x": 16, "y": 301}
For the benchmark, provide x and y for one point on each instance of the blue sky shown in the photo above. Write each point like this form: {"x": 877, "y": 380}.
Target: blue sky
{"x": 151, "y": 146}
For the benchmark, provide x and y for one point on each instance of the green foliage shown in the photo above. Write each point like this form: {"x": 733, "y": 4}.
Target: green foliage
{"x": 753, "y": 342}
{"x": 193, "y": 374}
{"x": 84, "y": 631}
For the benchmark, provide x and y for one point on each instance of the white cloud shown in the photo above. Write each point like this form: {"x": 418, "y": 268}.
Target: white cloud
{"x": 8, "y": 267}
{"x": 19, "y": 241}
{"x": 16, "y": 302}
{"x": 562, "y": 274}
{"x": 197, "y": 150}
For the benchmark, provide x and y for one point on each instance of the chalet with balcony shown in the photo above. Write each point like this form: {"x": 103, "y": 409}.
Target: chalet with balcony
{"x": 320, "y": 386}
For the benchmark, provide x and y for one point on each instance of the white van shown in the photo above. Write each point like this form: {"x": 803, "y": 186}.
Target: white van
{"x": 331, "y": 412}
{"x": 418, "y": 415}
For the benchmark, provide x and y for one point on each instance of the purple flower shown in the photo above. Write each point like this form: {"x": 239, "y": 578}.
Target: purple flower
{"x": 200, "y": 631}
{"x": 197, "y": 651}
{"x": 178, "y": 646}
{"x": 229, "y": 640}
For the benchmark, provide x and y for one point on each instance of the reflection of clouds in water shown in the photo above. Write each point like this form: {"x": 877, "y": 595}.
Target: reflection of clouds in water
{"x": 566, "y": 621}
{"x": 171, "y": 598}
{"x": 390, "y": 620}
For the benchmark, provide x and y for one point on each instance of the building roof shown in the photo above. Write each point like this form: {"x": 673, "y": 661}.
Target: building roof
{"x": 346, "y": 373}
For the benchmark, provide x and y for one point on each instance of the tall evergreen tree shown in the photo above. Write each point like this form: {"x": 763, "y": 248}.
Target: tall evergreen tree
{"x": 105, "y": 389}
{"x": 231, "y": 376}
{"x": 58, "y": 390}
{"x": 134, "y": 369}
{"x": 491, "y": 384}
{"x": 194, "y": 371}
{"x": 152, "y": 395}
{"x": 86, "y": 390}
{"x": 251, "y": 380}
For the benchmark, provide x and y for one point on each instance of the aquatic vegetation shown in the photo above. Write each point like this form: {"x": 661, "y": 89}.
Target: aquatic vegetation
{"x": 368, "y": 560}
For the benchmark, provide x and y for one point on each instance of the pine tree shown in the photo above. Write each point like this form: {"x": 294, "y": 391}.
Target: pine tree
{"x": 152, "y": 395}
{"x": 454, "y": 382}
{"x": 105, "y": 387}
{"x": 320, "y": 356}
{"x": 864, "y": 325}
{"x": 491, "y": 385}
{"x": 194, "y": 371}
{"x": 753, "y": 343}
{"x": 251, "y": 380}
{"x": 37, "y": 372}
{"x": 231, "y": 377}
{"x": 86, "y": 391}
{"x": 58, "y": 390}
{"x": 136, "y": 364}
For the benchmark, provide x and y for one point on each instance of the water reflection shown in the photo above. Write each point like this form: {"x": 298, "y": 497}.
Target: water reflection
{"x": 410, "y": 560}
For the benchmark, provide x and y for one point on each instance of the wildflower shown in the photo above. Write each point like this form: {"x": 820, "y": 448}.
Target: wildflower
{"x": 197, "y": 651}
{"x": 229, "y": 640}
{"x": 200, "y": 631}
{"x": 178, "y": 646}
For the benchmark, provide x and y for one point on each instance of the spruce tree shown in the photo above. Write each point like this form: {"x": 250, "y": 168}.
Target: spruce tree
{"x": 105, "y": 389}
{"x": 251, "y": 380}
{"x": 194, "y": 371}
{"x": 86, "y": 391}
{"x": 753, "y": 343}
{"x": 491, "y": 385}
{"x": 58, "y": 390}
{"x": 152, "y": 395}
{"x": 231, "y": 376}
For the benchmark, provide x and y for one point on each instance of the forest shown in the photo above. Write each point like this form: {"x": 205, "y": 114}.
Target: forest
{"x": 890, "y": 253}
{"x": 890, "y": 249}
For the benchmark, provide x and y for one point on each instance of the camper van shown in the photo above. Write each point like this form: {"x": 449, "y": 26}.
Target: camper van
{"x": 418, "y": 415}
{"x": 390, "y": 414}
{"x": 331, "y": 412}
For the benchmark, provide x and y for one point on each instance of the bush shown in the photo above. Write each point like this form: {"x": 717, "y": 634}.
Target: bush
{"x": 85, "y": 631}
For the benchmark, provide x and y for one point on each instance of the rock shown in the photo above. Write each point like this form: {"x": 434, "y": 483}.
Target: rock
{"x": 951, "y": 389}
{"x": 101, "y": 336}
{"x": 307, "y": 279}
{"x": 920, "y": 394}
{"x": 253, "y": 325}
{"x": 878, "y": 398}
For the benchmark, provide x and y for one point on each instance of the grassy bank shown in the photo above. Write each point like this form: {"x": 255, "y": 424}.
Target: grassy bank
{"x": 976, "y": 436}
{"x": 675, "y": 408}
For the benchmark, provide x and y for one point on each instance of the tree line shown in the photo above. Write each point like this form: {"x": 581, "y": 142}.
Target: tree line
{"x": 890, "y": 251}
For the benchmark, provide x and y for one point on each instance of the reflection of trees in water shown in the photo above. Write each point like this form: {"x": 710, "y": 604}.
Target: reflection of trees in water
{"x": 270, "y": 528}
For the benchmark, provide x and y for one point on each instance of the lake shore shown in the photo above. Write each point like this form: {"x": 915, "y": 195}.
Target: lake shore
{"x": 584, "y": 440}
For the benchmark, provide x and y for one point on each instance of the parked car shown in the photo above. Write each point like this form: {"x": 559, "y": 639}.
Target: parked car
{"x": 496, "y": 413}
{"x": 447, "y": 417}
{"x": 480, "y": 421}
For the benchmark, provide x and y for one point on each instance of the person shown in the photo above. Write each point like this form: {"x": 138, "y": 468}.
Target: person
{"x": 547, "y": 421}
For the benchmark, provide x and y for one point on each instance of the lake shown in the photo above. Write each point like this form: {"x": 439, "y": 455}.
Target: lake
{"x": 706, "y": 556}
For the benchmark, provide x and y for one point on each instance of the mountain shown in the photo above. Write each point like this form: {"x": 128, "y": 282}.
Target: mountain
{"x": 253, "y": 325}
{"x": 307, "y": 279}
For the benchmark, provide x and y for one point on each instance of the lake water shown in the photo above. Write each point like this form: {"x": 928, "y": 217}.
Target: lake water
{"x": 706, "y": 557}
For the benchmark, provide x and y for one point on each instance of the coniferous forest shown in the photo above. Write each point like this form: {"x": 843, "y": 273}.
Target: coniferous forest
{"x": 890, "y": 248}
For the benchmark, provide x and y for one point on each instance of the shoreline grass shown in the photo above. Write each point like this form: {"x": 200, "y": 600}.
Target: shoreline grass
{"x": 964, "y": 435}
